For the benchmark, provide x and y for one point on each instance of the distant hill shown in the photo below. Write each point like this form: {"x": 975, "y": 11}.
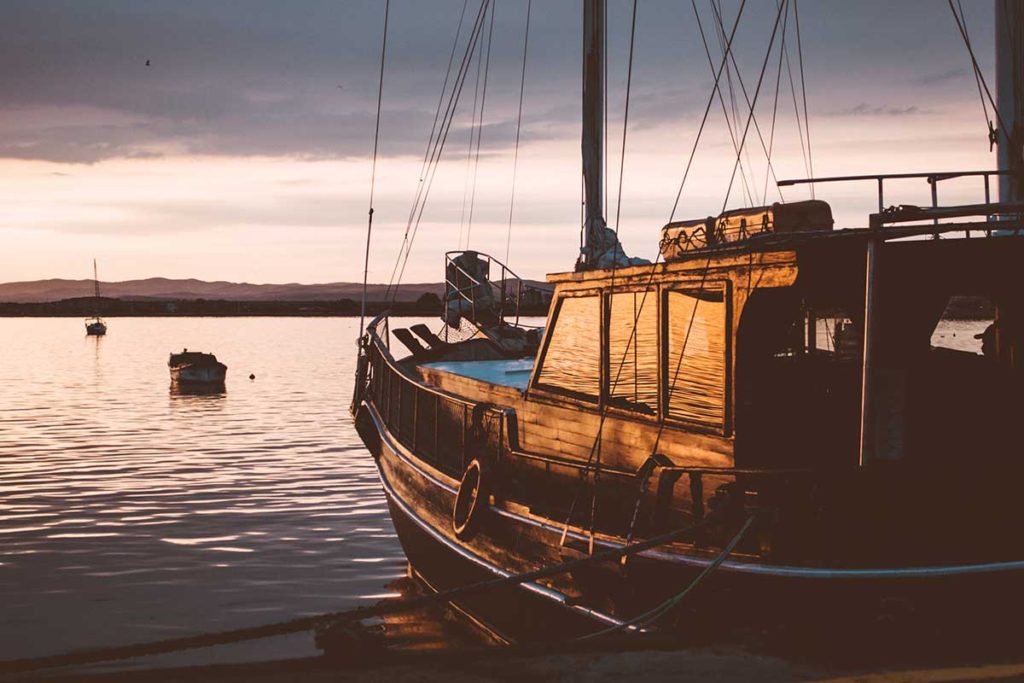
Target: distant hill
{"x": 161, "y": 288}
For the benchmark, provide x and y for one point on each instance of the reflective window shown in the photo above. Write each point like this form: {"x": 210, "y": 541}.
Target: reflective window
{"x": 633, "y": 351}
{"x": 696, "y": 355}
{"x": 572, "y": 362}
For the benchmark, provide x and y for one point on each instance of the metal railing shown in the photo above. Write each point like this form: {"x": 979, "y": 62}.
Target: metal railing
{"x": 489, "y": 300}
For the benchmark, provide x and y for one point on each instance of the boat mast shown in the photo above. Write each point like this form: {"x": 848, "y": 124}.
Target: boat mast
{"x": 601, "y": 247}
{"x": 1009, "y": 24}
{"x": 593, "y": 126}
{"x": 95, "y": 286}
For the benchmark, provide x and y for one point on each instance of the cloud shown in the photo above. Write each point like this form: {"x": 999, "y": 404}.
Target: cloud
{"x": 940, "y": 77}
{"x": 864, "y": 109}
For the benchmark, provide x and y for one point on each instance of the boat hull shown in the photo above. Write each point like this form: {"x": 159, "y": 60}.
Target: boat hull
{"x": 96, "y": 329}
{"x": 739, "y": 597}
{"x": 205, "y": 375}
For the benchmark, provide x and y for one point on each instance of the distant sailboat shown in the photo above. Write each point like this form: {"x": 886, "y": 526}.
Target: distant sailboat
{"x": 95, "y": 326}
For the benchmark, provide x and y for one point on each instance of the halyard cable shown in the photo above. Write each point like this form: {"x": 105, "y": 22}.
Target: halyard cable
{"x": 977, "y": 69}
{"x": 373, "y": 167}
{"x": 519, "y": 126}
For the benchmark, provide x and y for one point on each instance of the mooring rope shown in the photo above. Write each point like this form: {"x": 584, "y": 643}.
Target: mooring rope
{"x": 373, "y": 168}
{"x": 297, "y": 625}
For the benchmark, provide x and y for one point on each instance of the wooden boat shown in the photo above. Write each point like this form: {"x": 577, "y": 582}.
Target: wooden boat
{"x": 771, "y": 386}
{"x": 95, "y": 326}
{"x": 194, "y": 368}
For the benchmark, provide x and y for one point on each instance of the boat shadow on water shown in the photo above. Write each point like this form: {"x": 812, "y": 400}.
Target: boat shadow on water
{"x": 184, "y": 389}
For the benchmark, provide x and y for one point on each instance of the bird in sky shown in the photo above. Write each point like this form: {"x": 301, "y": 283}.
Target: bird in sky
{"x": 147, "y": 63}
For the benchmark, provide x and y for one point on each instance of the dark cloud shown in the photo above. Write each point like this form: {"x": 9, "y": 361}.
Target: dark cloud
{"x": 261, "y": 77}
{"x": 864, "y": 109}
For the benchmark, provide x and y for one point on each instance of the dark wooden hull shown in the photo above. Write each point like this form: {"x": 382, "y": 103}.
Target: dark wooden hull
{"x": 738, "y": 597}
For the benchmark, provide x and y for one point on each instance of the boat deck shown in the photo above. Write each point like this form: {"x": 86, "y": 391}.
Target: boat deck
{"x": 514, "y": 372}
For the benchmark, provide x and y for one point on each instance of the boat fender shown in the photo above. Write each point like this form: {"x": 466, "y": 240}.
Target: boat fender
{"x": 471, "y": 501}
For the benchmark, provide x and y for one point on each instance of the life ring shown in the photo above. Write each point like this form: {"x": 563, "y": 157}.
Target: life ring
{"x": 470, "y": 501}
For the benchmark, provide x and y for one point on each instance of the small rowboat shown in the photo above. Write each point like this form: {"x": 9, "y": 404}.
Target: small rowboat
{"x": 196, "y": 368}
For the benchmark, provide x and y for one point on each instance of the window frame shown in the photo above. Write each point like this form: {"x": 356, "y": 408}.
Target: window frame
{"x": 724, "y": 427}
{"x": 537, "y": 386}
{"x": 654, "y": 297}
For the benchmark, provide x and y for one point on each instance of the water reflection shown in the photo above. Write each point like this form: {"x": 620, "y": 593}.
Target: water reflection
{"x": 130, "y": 512}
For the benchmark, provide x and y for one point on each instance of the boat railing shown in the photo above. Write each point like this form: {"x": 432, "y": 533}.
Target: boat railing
{"x": 489, "y": 299}
{"x": 444, "y": 430}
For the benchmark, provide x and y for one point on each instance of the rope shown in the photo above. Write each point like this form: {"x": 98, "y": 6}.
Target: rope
{"x": 92, "y": 656}
{"x": 593, "y": 459}
{"x": 519, "y": 126}
{"x": 438, "y": 150}
{"x": 480, "y": 123}
{"x": 757, "y": 92}
{"x": 803, "y": 91}
{"x": 423, "y": 188}
{"x": 977, "y": 69}
{"x": 625, "y": 118}
{"x": 373, "y": 169}
{"x": 775, "y": 106}
{"x": 707, "y": 110}
{"x": 649, "y": 617}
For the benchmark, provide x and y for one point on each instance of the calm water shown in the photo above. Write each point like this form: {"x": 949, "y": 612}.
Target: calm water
{"x": 129, "y": 514}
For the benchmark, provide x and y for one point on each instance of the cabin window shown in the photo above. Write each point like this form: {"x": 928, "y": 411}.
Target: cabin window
{"x": 572, "y": 362}
{"x": 633, "y": 351}
{"x": 695, "y": 355}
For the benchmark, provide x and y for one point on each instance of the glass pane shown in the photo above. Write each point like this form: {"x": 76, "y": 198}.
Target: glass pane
{"x": 633, "y": 358}
{"x": 695, "y": 360}
{"x": 573, "y": 359}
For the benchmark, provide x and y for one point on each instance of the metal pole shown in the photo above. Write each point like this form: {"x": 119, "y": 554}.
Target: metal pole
{"x": 1009, "y": 27}
{"x": 593, "y": 122}
{"x": 867, "y": 417}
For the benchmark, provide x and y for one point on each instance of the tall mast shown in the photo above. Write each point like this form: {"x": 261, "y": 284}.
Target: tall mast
{"x": 593, "y": 127}
{"x": 1009, "y": 25}
{"x": 95, "y": 282}
{"x": 601, "y": 246}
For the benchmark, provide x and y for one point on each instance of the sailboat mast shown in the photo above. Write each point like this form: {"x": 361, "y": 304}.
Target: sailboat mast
{"x": 1009, "y": 25}
{"x": 593, "y": 125}
{"x": 95, "y": 282}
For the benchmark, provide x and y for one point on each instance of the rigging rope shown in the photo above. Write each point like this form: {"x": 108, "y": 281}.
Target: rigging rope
{"x": 746, "y": 98}
{"x": 519, "y": 126}
{"x": 625, "y": 117}
{"x": 962, "y": 26}
{"x": 480, "y": 124}
{"x": 373, "y": 169}
{"x": 437, "y": 151}
{"x": 803, "y": 92}
{"x": 757, "y": 92}
{"x": 593, "y": 457}
{"x": 775, "y": 106}
{"x": 707, "y": 110}
{"x": 432, "y": 143}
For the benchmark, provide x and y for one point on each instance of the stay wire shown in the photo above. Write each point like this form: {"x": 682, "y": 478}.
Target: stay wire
{"x": 746, "y": 98}
{"x": 707, "y": 110}
{"x": 480, "y": 124}
{"x": 977, "y": 69}
{"x": 432, "y": 144}
{"x": 775, "y": 103}
{"x": 625, "y": 117}
{"x": 373, "y": 167}
{"x": 803, "y": 90}
{"x": 711, "y": 65}
{"x": 753, "y": 105}
{"x": 440, "y": 142}
{"x": 519, "y": 126}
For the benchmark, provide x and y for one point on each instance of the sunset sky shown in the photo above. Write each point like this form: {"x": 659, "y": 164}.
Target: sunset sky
{"x": 242, "y": 152}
